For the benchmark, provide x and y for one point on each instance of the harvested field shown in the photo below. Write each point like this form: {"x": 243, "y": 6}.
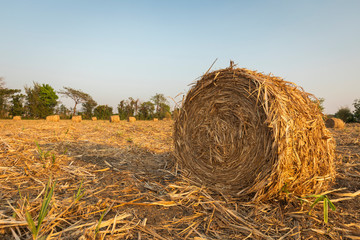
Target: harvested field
{"x": 126, "y": 173}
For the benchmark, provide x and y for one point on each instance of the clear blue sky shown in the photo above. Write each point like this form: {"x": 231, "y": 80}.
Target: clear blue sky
{"x": 117, "y": 49}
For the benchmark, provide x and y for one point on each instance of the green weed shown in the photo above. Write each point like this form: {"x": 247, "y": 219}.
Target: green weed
{"x": 53, "y": 158}
{"x": 100, "y": 220}
{"x": 80, "y": 192}
{"x": 42, "y": 154}
{"x": 35, "y": 229}
{"x": 326, "y": 204}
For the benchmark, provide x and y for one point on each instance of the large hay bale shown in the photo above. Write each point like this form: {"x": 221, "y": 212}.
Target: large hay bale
{"x": 76, "y": 118}
{"x": 246, "y": 133}
{"x": 53, "y": 118}
{"x": 114, "y": 118}
{"x": 17, "y": 118}
{"x": 334, "y": 123}
{"x": 131, "y": 119}
{"x": 156, "y": 119}
{"x": 94, "y": 118}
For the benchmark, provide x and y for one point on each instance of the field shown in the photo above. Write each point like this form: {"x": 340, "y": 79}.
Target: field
{"x": 120, "y": 181}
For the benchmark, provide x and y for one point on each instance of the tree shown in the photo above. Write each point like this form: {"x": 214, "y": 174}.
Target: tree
{"x": 128, "y": 108}
{"x": 17, "y": 107}
{"x": 122, "y": 110}
{"x": 63, "y": 111}
{"x": 164, "y": 110}
{"x": 345, "y": 114}
{"x": 146, "y": 111}
{"x": 161, "y": 105}
{"x": 41, "y": 100}
{"x": 88, "y": 107}
{"x": 77, "y": 95}
{"x": 103, "y": 112}
{"x": 157, "y": 100}
{"x": 320, "y": 103}
{"x": 356, "y": 105}
{"x": 5, "y": 95}
{"x": 133, "y": 105}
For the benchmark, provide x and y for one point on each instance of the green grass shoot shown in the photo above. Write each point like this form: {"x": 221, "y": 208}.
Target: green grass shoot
{"x": 35, "y": 229}
{"x": 80, "y": 192}
{"x": 326, "y": 204}
{"x": 97, "y": 229}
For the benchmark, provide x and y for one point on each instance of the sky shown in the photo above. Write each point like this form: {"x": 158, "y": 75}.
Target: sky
{"x": 113, "y": 50}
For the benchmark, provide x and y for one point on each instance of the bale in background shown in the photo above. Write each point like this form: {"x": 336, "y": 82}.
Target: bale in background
{"x": 17, "y": 118}
{"x": 156, "y": 119}
{"x": 53, "y": 118}
{"x": 167, "y": 116}
{"x": 114, "y": 118}
{"x": 334, "y": 123}
{"x": 132, "y": 119}
{"x": 94, "y": 118}
{"x": 76, "y": 118}
{"x": 249, "y": 134}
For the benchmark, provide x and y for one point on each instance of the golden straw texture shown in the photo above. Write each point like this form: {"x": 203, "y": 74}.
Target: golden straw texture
{"x": 249, "y": 134}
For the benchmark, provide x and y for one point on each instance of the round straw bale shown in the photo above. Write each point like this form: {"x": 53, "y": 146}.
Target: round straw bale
{"x": 114, "y": 118}
{"x": 334, "y": 123}
{"x": 17, "y": 118}
{"x": 249, "y": 134}
{"x": 132, "y": 119}
{"x": 76, "y": 118}
{"x": 156, "y": 119}
{"x": 94, "y": 118}
{"x": 167, "y": 116}
{"x": 53, "y": 118}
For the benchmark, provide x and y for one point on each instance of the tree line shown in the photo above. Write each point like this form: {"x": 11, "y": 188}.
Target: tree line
{"x": 41, "y": 100}
{"x": 344, "y": 113}
{"x": 348, "y": 116}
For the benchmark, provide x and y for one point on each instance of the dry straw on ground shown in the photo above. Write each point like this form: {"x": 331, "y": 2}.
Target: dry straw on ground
{"x": 334, "y": 123}
{"x": 132, "y": 119}
{"x": 17, "y": 118}
{"x": 53, "y": 118}
{"x": 138, "y": 189}
{"x": 76, "y": 118}
{"x": 94, "y": 118}
{"x": 249, "y": 134}
{"x": 115, "y": 118}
